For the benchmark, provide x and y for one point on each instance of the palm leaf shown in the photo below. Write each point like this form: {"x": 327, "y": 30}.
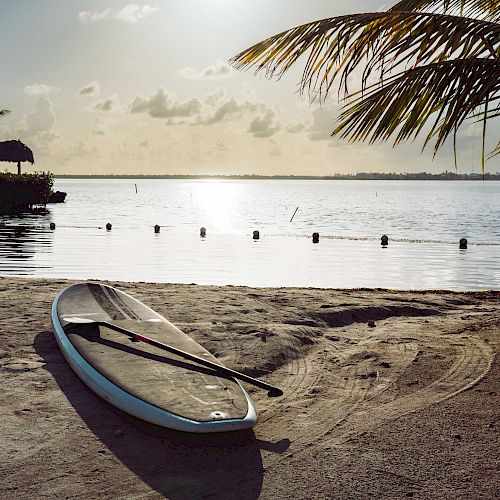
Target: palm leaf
{"x": 492, "y": 113}
{"x": 4, "y": 112}
{"x": 496, "y": 151}
{"x": 379, "y": 41}
{"x": 485, "y": 9}
{"x": 443, "y": 93}
{"x": 434, "y": 67}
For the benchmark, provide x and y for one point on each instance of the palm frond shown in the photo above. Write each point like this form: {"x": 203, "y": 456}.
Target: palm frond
{"x": 443, "y": 93}
{"x": 483, "y": 148}
{"x": 492, "y": 113}
{"x": 495, "y": 152}
{"x": 485, "y": 9}
{"x": 379, "y": 41}
{"x": 4, "y": 112}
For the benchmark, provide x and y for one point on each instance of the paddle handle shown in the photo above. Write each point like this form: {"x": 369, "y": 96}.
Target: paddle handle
{"x": 273, "y": 391}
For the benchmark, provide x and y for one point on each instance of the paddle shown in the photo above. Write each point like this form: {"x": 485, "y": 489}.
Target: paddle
{"x": 272, "y": 391}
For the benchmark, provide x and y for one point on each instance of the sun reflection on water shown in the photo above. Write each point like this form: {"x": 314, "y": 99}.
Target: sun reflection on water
{"x": 220, "y": 203}
{"x": 422, "y": 253}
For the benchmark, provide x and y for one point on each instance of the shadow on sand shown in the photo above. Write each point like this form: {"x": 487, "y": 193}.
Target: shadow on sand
{"x": 175, "y": 464}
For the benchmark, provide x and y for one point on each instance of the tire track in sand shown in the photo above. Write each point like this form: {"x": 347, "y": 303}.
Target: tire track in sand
{"x": 473, "y": 360}
{"x": 349, "y": 387}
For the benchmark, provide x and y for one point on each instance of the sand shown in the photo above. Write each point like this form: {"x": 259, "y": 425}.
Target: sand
{"x": 387, "y": 395}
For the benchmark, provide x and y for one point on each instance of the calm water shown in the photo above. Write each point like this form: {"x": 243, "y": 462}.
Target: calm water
{"x": 424, "y": 221}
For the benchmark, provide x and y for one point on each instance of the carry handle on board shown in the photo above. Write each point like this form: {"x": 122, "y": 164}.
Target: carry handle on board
{"x": 272, "y": 391}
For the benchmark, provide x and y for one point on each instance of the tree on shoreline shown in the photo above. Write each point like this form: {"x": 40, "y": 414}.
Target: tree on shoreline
{"x": 434, "y": 62}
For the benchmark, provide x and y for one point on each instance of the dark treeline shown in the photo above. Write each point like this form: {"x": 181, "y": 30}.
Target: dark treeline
{"x": 448, "y": 176}
{"x": 23, "y": 191}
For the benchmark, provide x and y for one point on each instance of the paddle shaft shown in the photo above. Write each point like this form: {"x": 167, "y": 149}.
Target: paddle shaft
{"x": 273, "y": 391}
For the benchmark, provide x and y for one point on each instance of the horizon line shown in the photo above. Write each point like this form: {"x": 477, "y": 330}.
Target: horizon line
{"x": 358, "y": 176}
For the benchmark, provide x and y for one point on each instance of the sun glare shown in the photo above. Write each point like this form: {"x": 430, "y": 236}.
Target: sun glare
{"x": 218, "y": 202}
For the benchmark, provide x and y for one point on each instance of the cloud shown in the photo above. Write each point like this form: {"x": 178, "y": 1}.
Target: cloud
{"x": 88, "y": 16}
{"x": 107, "y": 104}
{"x": 215, "y": 97}
{"x": 214, "y": 109}
{"x": 295, "y": 128}
{"x": 97, "y": 127}
{"x": 43, "y": 142}
{"x": 163, "y": 105}
{"x": 220, "y": 69}
{"x": 37, "y": 128}
{"x": 132, "y": 14}
{"x": 81, "y": 150}
{"x": 229, "y": 108}
{"x": 322, "y": 125}
{"x": 177, "y": 121}
{"x": 275, "y": 150}
{"x": 221, "y": 147}
{"x": 92, "y": 88}
{"x": 41, "y": 119}
{"x": 264, "y": 125}
{"x": 5, "y": 133}
{"x": 39, "y": 88}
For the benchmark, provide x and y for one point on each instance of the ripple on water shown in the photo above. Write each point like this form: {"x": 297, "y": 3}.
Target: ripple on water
{"x": 350, "y": 217}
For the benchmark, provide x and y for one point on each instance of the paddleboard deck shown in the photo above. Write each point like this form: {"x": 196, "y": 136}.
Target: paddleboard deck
{"x": 141, "y": 379}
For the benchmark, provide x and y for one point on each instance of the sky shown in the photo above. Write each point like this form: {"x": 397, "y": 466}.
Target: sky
{"x": 110, "y": 86}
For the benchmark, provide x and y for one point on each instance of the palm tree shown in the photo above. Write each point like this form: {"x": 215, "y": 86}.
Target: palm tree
{"x": 434, "y": 62}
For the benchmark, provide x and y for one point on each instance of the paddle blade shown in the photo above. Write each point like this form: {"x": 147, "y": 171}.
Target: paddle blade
{"x": 275, "y": 393}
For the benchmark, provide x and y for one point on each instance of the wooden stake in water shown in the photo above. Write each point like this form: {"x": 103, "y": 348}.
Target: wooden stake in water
{"x": 135, "y": 188}
{"x": 294, "y": 214}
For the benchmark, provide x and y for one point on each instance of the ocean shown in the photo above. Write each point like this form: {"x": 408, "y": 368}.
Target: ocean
{"x": 424, "y": 221}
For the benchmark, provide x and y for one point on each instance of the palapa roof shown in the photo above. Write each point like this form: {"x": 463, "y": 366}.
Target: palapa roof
{"x": 15, "y": 151}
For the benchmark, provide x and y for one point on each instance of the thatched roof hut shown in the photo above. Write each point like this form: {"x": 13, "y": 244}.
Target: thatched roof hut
{"x": 16, "y": 152}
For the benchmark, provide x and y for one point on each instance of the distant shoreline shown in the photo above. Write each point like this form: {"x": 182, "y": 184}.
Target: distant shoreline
{"x": 445, "y": 176}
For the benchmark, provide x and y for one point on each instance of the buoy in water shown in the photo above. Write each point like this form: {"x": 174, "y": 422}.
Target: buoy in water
{"x": 52, "y": 226}
{"x": 203, "y": 232}
{"x": 462, "y": 243}
{"x": 384, "y": 240}
{"x": 108, "y": 227}
{"x": 157, "y": 228}
{"x": 315, "y": 237}
{"x": 256, "y": 235}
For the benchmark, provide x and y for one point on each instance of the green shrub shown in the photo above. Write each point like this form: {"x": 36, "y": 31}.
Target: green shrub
{"x": 25, "y": 190}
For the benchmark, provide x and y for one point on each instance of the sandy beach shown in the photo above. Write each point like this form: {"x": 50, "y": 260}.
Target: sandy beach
{"x": 388, "y": 394}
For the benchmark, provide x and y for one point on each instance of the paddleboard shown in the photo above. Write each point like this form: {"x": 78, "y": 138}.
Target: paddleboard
{"x": 141, "y": 379}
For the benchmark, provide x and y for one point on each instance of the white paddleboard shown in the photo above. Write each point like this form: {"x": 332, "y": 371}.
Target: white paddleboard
{"x": 141, "y": 379}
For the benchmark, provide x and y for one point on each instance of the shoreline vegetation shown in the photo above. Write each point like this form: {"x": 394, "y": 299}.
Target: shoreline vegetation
{"x": 445, "y": 176}
{"x": 23, "y": 191}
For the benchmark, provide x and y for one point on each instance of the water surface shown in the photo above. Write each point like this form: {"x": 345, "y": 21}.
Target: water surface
{"x": 423, "y": 219}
